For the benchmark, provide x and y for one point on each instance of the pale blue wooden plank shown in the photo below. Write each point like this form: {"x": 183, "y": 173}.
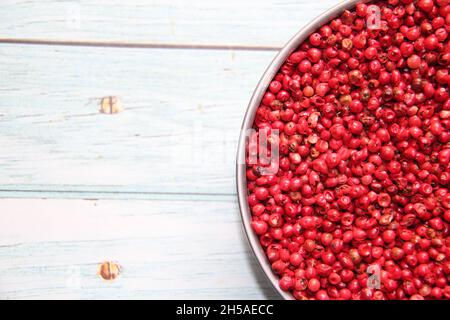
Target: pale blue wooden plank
{"x": 167, "y": 249}
{"x": 178, "y": 133}
{"x": 233, "y": 22}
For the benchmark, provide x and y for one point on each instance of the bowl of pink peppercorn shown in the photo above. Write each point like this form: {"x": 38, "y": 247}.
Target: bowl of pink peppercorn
{"x": 343, "y": 166}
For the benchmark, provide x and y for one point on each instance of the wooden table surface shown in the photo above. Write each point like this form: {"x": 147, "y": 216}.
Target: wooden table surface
{"x": 152, "y": 187}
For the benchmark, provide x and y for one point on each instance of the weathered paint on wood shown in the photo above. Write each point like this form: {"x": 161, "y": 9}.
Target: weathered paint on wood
{"x": 232, "y": 22}
{"x": 178, "y": 132}
{"x": 167, "y": 249}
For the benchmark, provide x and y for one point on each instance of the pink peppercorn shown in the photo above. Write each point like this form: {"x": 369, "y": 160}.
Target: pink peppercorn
{"x": 363, "y": 174}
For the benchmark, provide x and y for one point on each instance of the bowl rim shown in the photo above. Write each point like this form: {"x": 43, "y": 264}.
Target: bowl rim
{"x": 241, "y": 182}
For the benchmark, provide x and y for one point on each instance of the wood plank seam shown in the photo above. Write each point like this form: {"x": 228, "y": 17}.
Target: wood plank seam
{"x": 137, "y": 45}
{"x": 110, "y": 195}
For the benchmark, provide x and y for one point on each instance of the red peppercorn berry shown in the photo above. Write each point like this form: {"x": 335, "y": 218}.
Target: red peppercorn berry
{"x": 363, "y": 177}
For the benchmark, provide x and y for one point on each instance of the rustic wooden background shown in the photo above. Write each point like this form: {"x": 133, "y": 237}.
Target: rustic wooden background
{"x": 153, "y": 187}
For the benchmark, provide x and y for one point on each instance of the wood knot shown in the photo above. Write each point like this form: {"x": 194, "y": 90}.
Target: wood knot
{"x": 111, "y": 105}
{"x": 109, "y": 270}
